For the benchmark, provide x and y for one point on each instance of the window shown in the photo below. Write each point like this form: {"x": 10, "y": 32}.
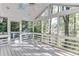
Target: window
{"x": 55, "y": 9}
{"x": 62, "y": 8}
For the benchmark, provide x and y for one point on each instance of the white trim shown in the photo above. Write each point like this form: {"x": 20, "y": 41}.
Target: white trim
{"x": 33, "y": 31}
{"x": 62, "y": 13}
{"x": 9, "y": 30}
{"x": 20, "y": 29}
{"x": 42, "y": 25}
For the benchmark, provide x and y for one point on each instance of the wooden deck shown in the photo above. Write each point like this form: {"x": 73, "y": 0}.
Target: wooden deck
{"x": 33, "y": 49}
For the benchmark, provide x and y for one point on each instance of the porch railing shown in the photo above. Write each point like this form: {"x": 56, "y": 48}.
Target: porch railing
{"x": 3, "y": 40}
{"x": 64, "y": 42}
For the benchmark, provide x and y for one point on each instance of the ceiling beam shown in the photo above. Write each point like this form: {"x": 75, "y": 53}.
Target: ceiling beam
{"x": 63, "y": 13}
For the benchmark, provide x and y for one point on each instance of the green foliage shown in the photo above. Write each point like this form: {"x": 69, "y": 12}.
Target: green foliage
{"x": 30, "y": 26}
{"x": 14, "y": 26}
{"x": 3, "y": 25}
{"x": 37, "y": 26}
{"x": 72, "y": 24}
{"x": 61, "y": 24}
{"x": 27, "y": 25}
{"x": 45, "y": 26}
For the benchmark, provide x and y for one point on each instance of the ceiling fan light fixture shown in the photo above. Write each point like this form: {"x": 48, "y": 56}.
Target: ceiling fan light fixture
{"x": 31, "y": 3}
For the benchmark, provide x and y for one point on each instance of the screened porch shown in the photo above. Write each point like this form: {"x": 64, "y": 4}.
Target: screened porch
{"x": 39, "y": 29}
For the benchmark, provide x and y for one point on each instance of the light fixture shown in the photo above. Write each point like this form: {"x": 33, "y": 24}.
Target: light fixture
{"x": 1, "y": 19}
{"x": 31, "y": 3}
{"x": 7, "y": 8}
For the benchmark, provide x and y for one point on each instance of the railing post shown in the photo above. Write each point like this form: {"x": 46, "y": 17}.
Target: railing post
{"x": 50, "y": 19}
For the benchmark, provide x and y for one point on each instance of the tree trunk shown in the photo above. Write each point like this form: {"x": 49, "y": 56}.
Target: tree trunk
{"x": 66, "y": 24}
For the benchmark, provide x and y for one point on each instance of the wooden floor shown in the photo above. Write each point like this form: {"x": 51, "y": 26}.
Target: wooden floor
{"x": 33, "y": 49}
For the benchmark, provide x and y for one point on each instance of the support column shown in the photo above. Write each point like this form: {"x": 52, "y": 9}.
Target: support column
{"x": 42, "y": 30}
{"x": 58, "y": 21}
{"x": 58, "y": 39}
{"x": 20, "y": 29}
{"x": 9, "y": 30}
{"x": 49, "y": 31}
{"x": 50, "y": 19}
{"x": 33, "y": 31}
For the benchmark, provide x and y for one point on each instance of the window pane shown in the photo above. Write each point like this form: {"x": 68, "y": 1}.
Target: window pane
{"x": 62, "y": 8}
{"x": 55, "y": 9}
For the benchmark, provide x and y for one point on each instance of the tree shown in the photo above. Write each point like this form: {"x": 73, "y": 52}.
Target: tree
{"x": 37, "y": 26}
{"x": 3, "y": 26}
{"x": 15, "y": 26}
{"x": 66, "y": 23}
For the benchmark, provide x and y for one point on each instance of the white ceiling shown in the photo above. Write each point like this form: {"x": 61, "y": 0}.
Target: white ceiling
{"x": 25, "y": 11}
{"x": 17, "y": 11}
